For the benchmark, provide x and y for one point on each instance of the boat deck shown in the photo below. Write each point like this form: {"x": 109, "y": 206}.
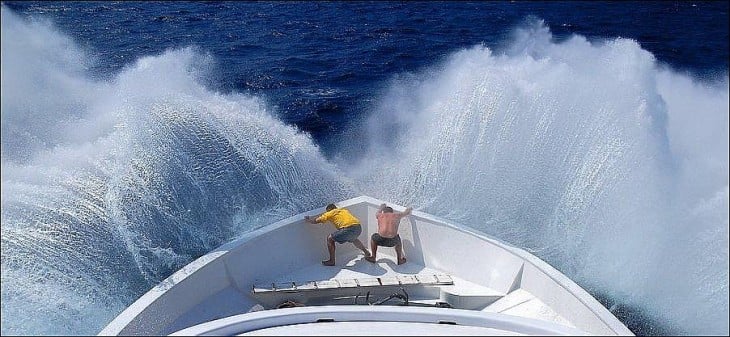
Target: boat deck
{"x": 423, "y": 285}
{"x": 349, "y": 282}
{"x": 272, "y": 277}
{"x": 356, "y": 267}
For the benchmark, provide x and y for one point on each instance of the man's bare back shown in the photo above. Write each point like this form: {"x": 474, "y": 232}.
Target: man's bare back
{"x": 387, "y": 235}
{"x": 388, "y": 224}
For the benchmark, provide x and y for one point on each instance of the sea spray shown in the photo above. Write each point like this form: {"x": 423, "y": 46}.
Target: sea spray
{"x": 590, "y": 154}
{"x": 110, "y": 186}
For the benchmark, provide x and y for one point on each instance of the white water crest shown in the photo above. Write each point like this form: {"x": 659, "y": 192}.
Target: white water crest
{"x": 110, "y": 186}
{"x": 590, "y": 154}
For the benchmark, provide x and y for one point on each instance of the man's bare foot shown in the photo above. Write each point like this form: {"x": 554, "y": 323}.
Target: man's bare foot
{"x": 328, "y": 262}
{"x": 370, "y": 259}
{"x": 367, "y": 253}
{"x": 402, "y": 261}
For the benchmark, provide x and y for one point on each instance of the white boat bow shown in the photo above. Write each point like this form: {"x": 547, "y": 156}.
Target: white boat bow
{"x": 457, "y": 281}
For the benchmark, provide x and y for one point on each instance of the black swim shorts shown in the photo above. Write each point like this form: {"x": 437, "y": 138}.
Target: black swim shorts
{"x": 386, "y": 242}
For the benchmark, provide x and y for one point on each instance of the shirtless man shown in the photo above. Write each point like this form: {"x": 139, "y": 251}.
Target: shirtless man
{"x": 387, "y": 235}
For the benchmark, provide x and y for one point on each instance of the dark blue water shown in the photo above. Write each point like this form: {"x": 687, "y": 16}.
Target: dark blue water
{"x": 136, "y": 136}
{"x": 321, "y": 63}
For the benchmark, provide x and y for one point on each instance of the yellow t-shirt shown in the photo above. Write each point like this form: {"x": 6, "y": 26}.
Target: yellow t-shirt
{"x": 340, "y": 217}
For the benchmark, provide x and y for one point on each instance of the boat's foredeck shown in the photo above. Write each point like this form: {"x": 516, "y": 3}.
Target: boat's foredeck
{"x": 356, "y": 267}
{"x": 238, "y": 283}
{"x": 354, "y": 277}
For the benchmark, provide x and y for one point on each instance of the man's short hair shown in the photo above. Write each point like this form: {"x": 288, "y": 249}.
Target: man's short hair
{"x": 330, "y": 207}
{"x": 388, "y": 209}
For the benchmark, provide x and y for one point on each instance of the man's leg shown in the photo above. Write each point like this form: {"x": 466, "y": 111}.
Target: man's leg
{"x": 374, "y": 248}
{"x": 399, "y": 253}
{"x": 362, "y": 247}
{"x": 331, "y": 250}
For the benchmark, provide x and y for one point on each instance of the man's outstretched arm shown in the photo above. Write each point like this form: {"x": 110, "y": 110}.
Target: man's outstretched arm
{"x": 406, "y": 212}
{"x": 311, "y": 220}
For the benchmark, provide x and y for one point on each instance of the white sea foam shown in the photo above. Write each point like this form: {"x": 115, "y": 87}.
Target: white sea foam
{"x": 109, "y": 186}
{"x": 590, "y": 154}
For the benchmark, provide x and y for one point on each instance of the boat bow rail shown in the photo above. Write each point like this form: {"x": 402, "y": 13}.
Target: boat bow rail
{"x": 412, "y": 321}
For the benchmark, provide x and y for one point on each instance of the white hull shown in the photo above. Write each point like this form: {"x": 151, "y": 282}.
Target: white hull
{"x": 497, "y": 289}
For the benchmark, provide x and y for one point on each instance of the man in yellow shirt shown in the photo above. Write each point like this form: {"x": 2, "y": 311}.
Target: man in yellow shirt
{"x": 348, "y": 230}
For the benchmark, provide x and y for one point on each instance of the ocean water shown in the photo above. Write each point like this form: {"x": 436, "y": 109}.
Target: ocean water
{"x": 138, "y": 136}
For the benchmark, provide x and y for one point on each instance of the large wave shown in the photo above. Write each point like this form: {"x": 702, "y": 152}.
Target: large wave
{"x": 591, "y": 155}
{"x": 108, "y": 187}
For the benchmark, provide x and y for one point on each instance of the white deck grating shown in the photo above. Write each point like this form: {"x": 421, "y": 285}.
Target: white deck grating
{"x": 289, "y": 287}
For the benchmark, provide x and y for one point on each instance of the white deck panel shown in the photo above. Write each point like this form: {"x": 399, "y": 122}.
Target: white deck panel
{"x": 356, "y": 267}
{"x": 509, "y": 301}
{"x": 535, "y": 308}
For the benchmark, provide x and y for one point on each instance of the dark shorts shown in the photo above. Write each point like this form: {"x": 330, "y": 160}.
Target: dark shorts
{"x": 386, "y": 242}
{"x": 347, "y": 234}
